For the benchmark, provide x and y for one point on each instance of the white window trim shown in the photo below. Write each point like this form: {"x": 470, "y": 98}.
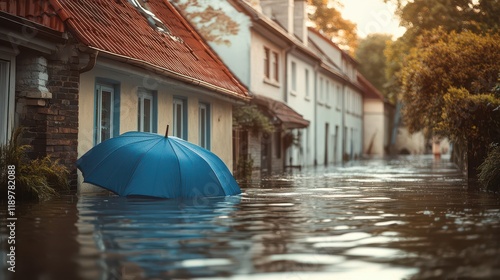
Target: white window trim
{"x": 205, "y": 143}
{"x": 178, "y": 101}
{"x": 273, "y": 53}
{"x": 99, "y": 111}
{"x": 142, "y": 95}
{"x": 8, "y": 98}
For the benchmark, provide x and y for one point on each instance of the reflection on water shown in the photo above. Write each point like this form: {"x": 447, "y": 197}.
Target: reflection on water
{"x": 410, "y": 218}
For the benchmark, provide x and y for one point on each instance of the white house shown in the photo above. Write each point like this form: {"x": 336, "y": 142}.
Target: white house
{"x": 280, "y": 59}
{"x": 340, "y": 98}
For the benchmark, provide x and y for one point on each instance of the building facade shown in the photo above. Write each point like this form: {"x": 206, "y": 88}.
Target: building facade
{"x": 77, "y": 76}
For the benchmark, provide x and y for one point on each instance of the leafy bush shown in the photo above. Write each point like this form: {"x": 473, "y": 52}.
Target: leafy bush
{"x": 470, "y": 118}
{"x": 244, "y": 168}
{"x": 38, "y": 179}
{"x": 489, "y": 174}
{"x": 249, "y": 117}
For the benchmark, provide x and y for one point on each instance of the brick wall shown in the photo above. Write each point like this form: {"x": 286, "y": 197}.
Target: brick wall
{"x": 47, "y": 105}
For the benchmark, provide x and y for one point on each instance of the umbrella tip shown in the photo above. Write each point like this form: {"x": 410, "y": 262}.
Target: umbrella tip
{"x": 166, "y": 133}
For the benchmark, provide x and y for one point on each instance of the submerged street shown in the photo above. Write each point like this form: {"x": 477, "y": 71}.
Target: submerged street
{"x": 404, "y": 218}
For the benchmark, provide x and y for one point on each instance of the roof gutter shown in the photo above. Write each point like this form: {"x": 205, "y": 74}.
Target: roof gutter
{"x": 177, "y": 76}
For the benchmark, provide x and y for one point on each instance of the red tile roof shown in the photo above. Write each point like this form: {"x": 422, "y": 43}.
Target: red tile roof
{"x": 117, "y": 29}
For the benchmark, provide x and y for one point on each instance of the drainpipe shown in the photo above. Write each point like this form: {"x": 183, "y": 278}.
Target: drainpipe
{"x": 92, "y": 60}
{"x": 286, "y": 80}
{"x": 315, "y": 105}
{"x": 344, "y": 140}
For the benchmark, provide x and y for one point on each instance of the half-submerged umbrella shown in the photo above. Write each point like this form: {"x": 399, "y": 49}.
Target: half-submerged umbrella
{"x": 148, "y": 164}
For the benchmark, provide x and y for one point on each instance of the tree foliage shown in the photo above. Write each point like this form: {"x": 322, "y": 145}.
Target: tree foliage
{"x": 489, "y": 174}
{"x": 249, "y": 117}
{"x": 441, "y": 61}
{"x": 419, "y": 16}
{"x": 371, "y": 52}
{"x": 478, "y": 16}
{"x": 472, "y": 118}
{"x": 213, "y": 24}
{"x": 326, "y": 16}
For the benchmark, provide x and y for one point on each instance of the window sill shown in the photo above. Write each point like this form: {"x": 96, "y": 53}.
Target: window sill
{"x": 271, "y": 82}
{"x": 306, "y": 98}
{"x": 293, "y": 93}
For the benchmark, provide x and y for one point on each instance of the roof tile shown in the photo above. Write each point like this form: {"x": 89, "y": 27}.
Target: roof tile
{"x": 118, "y": 28}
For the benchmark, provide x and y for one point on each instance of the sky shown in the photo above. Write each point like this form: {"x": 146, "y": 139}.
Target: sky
{"x": 372, "y": 16}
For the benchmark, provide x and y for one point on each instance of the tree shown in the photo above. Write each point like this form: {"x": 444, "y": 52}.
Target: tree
{"x": 419, "y": 16}
{"x": 329, "y": 20}
{"x": 478, "y": 16}
{"x": 449, "y": 87}
{"x": 213, "y": 23}
{"x": 441, "y": 61}
{"x": 371, "y": 52}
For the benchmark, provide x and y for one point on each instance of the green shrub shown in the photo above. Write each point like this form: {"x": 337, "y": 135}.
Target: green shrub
{"x": 489, "y": 174}
{"x": 38, "y": 179}
{"x": 249, "y": 117}
{"x": 244, "y": 168}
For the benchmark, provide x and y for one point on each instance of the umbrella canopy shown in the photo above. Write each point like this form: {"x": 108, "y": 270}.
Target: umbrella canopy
{"x": 147, "y": 164}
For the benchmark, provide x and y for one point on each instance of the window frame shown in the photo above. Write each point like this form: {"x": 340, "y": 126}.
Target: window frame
{"x": 307, "y": 84}
{"x": 267, "y": 63}
{"x": 143, "y": 94}
{"x": 294, "y": 77}
{"x": 7, "y": 96}
{"x": 114, "y": 115}
{"x": 178, "y": 100}
{"x": 276, "y": 66}
{"x": 204, "y": 143}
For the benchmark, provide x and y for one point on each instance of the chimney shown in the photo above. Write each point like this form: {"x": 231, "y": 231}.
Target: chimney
{"x": 280, "y": 10}
{"x": 300, "y": 19}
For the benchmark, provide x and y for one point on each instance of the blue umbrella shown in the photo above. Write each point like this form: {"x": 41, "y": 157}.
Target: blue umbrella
{"x": 147, "y": 164}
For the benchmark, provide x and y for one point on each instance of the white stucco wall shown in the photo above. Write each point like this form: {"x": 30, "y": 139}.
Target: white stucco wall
{"x": 233, "y": 49}
{"x": 374, "y": 127}
{"x": 259, "y": 84}
{"x": 302, "y": 103}
{"x": 329, "y": 115}
{"x": 129, "y": 80}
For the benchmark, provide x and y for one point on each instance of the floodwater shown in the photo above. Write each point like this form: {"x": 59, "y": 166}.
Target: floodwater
{"x": 405, "y": 218}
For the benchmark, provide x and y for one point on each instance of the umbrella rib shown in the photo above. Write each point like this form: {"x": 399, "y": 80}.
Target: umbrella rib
{"x": 178, "y": 165}
{"x": 139, "y": 160}
{"x": 200, "y": 155}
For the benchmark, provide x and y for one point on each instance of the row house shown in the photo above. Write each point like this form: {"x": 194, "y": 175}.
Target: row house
{"x": 289, "y": 66}
{"x": 75, "y": 73}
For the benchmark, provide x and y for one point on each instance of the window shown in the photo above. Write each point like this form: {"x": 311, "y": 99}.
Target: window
{"x": 339, "y": 97}
{"x": 180, "y": 118}
{"x": 107, "y": 112}
{"x": 267, "y": 62}
{"x": 321, "y": 88}
{"x": 307, "y": 83}
{"x": 271, "y": 65}
{"x": 294, "y": 77}
{"x": 204, "y": 125}
{"x": 6, "y": 97}
{"x": 327, "y": 93}
{"x": 147, "y": 111}
{"x": 276, "y": 66}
